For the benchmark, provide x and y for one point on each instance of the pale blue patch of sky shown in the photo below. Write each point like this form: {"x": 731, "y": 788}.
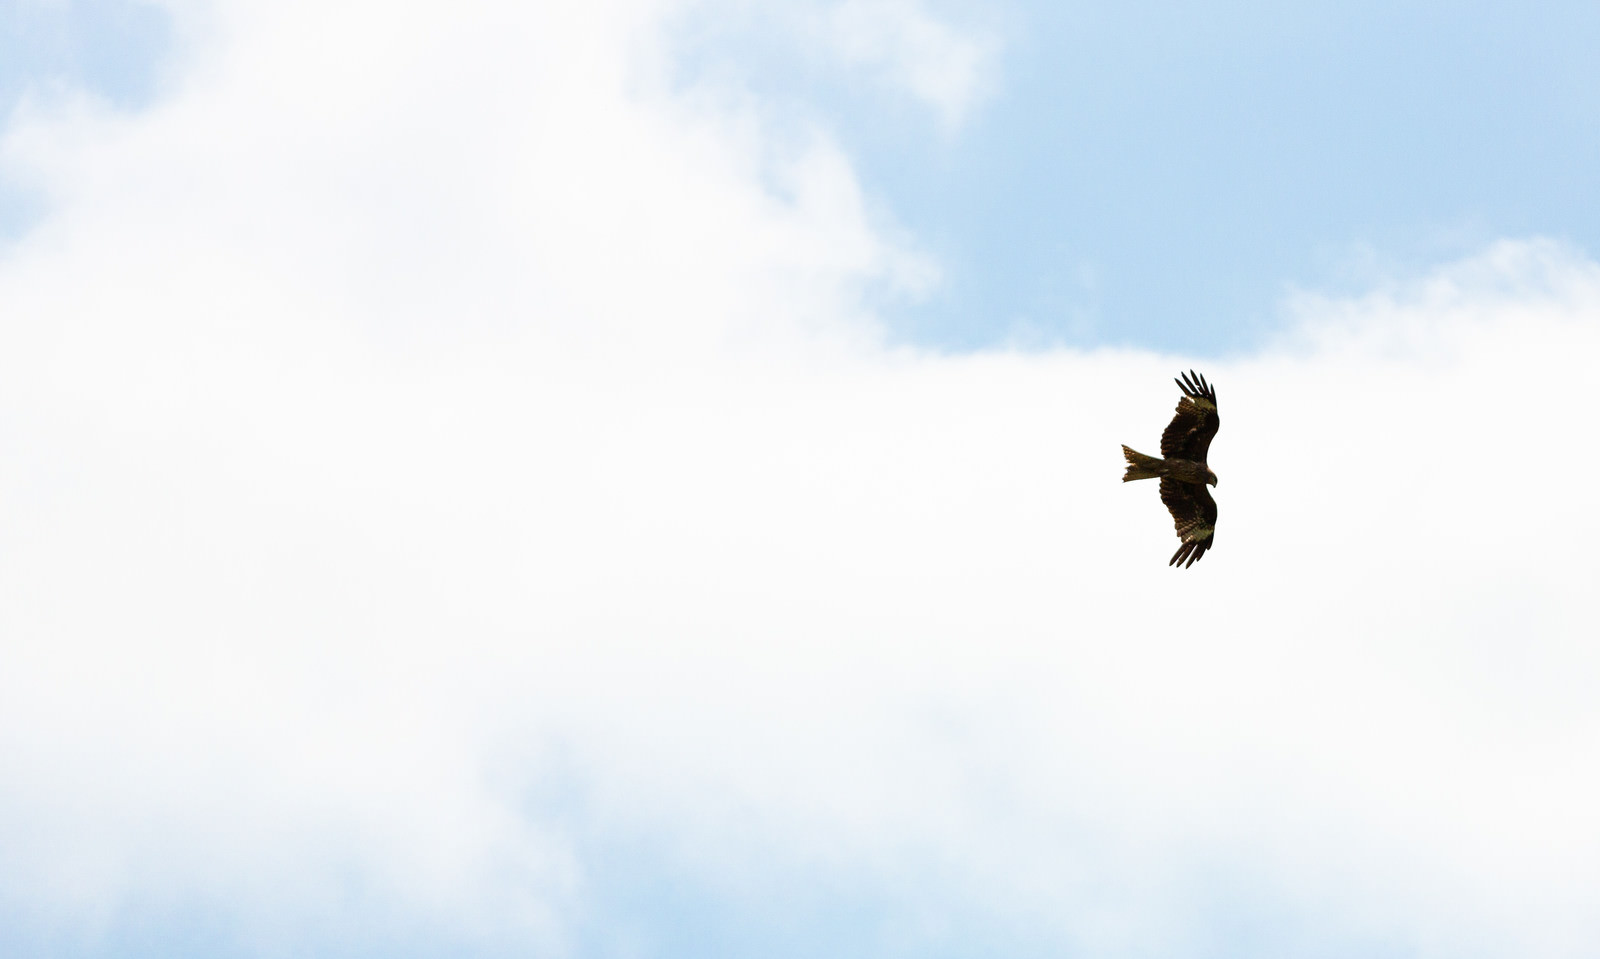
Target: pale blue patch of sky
{"x": 1159, "y": 174}
{"x": 640, "y": 901}
{"x": 111, "y": 48}
{"x": 645, "y": 891}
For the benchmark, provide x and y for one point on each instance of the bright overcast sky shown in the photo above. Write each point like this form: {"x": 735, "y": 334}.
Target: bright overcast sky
{"x": 633, "y": 478}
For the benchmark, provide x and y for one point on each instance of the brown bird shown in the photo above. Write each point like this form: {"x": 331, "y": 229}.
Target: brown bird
{"x": 1182, "y": 468}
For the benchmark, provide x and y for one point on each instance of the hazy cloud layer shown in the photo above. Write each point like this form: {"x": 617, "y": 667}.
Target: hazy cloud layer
{"x": 419, "y": 462}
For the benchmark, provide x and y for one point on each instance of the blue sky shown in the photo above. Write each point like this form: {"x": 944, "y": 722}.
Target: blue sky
{"x": 1159, "y": 174}
{"x": 1146, "y": 174}
{"x": 613, "y": 479}
{"x": 112, "y": 48}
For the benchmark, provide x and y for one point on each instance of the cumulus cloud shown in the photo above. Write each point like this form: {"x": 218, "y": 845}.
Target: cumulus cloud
{"x": 421, "y": 462}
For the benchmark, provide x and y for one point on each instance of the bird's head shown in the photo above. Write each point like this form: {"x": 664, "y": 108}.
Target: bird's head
{"x": 1211, "y": 478}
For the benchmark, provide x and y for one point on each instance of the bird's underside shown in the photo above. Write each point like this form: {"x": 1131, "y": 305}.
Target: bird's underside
{"x": 1182, "y": 469}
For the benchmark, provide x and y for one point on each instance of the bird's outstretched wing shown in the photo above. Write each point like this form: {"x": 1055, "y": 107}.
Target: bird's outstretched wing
{"x": 1188, "y": 436}
{"x": 1194, "y": 513}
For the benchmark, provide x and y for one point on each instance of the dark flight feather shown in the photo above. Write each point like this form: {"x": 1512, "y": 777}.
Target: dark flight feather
{"x": 1188, "y": 436}
{"x": 1194, "y": 513}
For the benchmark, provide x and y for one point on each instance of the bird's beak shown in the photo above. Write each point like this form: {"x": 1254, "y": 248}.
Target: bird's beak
{"x": 1213, "y": 479}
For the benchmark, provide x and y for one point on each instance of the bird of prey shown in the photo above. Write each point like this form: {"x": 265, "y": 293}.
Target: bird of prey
{"x": 1182, "y": 468}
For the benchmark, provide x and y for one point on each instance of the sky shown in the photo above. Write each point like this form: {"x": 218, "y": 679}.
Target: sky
{"x": 639, "y": 478}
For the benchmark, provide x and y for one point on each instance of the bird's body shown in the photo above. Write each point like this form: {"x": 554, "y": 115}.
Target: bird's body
{"x": 1182, "y": 468}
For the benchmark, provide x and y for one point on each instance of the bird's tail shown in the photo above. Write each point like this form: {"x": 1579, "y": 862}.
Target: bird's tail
{"x": 1141, "y": 466}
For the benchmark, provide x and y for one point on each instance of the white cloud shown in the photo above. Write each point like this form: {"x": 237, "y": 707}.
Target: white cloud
{"x": 384, "y": 438}
{"x": 950, "y": 70}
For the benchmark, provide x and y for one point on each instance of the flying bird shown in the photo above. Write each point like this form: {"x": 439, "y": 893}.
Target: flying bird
{"x": 1182, "y": 468}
